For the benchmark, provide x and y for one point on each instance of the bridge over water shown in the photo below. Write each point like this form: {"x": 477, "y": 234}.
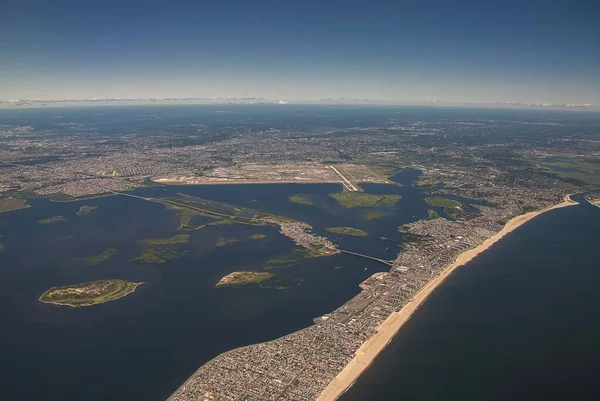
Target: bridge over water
{"x": 389, "y": 263}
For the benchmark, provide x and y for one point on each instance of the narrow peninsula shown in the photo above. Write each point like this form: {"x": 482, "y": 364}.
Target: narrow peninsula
{"x": 88, "y": 294}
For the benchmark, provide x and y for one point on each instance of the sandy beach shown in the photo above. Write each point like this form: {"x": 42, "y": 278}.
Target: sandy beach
{"x": 374, "y": 345}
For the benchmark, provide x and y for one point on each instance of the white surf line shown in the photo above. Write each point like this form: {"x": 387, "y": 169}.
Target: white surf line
{"x": 345, "y": 181}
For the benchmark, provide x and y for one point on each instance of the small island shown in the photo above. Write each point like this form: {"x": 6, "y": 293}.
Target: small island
{"x": 51, "y": 220}
{"x": 362, "y": 199}
{"x": 161, "y": 250}
{"x": 427, "y": 181}
{"x": 177, "y": 239}
{"x": 347, "y": 231}
{"x": 239, "y": 278}
{"x": 257, "y": 236}
{"x": 88, "y": 294}
{"x": 451, "y": 207}
{"x": 1, "y": 247}
{"x": 302, "y": 200}
{"x": 281, "y": 283}
{"x": 101, "y": 257}
{"x": 297, "y": 256}
{"x": 85, "y": 210}
{"x": 222, "y": 241}
{"x": 8, "y": 204}
{"x": 375, "y": 214}
{"x": 443, "y": 202}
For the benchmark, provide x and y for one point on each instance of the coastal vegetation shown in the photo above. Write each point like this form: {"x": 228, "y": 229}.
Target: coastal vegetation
{"x": 285, "y": 261}
{"x": 347, "y": 231}
{"x": 185, "y": 216}
{"x": 85, "y": 210}
{"x": 8, "y": 204}
{"x": 223, "y": 213}
{"x": 51, "y": 220}
{"x": 281, "y": 283}
{"x": 161, "y": 250}
{"x": 239, "y": 278}
{"x": 226, "y": 241}
{"x": 88, "y": 294}
{"x": 375, "y": 214}
{"x": 297, "y": 256}
{"x": 101, "y": 257}
{"x": 451, "y": 207}
{"x": 177, "y": 239}
{"x": 300, "y": 199}
{"x": 362, "y": 199}
{"x": 573, "y": 170}
{"x": 427, "y": 181}
{"x": 432, "y": 214}
{"x": 443, "y": 202}
{"x": 159, "y": 255}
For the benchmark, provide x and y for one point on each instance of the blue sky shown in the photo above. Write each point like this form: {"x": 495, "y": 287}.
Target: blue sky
{"x": 389, "y": 51}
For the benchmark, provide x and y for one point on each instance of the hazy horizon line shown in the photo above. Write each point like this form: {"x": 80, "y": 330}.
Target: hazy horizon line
{"x": 241, "y": 100}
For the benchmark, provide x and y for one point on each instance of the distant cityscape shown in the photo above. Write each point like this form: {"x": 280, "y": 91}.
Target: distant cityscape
{"x": 40, "y": 102}
{"x": 507, "y": 164}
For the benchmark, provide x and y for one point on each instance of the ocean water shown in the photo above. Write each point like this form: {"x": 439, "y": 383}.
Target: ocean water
{"x": 520, "y": 322}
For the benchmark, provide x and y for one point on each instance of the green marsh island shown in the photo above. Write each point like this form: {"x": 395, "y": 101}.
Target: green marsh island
{"x": 51, "y": 220}
{"x": 101, "y": 257}
{"x": 161, "y": 250}
{"x": 300, "y": 199}
{"x": 8, "y": 204}
{"x": 226, "y": 241}
{"x": 1, "y": 247}
{"x": 427, "y": 181}
{"x": 451, "y": 207}
{"x": 297, "y": 256}
{"x": 88, "y": 294}
{"x": 85, "y": 210}
{"x": 375, "y": 214}
{"x": 347, "y": 231}
{"x": 263, "y": 279}
{"x": 239, "y": 278}
{"x": 362, "y": 199}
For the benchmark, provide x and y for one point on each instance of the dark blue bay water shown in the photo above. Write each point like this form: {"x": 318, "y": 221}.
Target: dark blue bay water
{"x": 520, "y": 322}
{"x": 141, "y": 347}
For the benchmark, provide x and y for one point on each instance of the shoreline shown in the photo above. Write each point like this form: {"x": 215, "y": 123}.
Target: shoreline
{"x": 242, "y": 182}
{"x": 367, "y": 353}
{"x": 27, "y": 206}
